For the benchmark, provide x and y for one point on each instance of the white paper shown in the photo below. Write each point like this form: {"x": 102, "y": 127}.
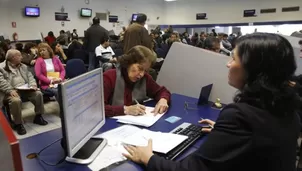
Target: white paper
{"x": 159, "y": 59}
{"x": 109, "y": 155}
{"x": 145, "y": 120}
{"x": 162, "y": 142}
{"x": 23, "y": 87}
{"x": 115, "y": 136}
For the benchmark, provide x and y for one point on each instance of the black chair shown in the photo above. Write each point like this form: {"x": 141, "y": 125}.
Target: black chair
{"x": 160, "y": 53}
{"x": 75, "y": 67}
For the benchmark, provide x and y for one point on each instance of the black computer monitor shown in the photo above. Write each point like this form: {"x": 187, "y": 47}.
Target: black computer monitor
{"x": 82, "y": 115}
{"x": 205, "y": 94}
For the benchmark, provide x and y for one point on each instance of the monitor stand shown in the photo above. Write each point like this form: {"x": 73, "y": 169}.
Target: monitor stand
{"x": 88, "y": 152}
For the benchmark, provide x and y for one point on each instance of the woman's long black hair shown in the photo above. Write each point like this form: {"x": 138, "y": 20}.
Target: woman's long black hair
{"x": 269, "y": 63}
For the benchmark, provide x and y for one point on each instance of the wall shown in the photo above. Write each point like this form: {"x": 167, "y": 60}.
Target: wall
{"x": 30, "y": 28}
{"x": 227, "y": 11}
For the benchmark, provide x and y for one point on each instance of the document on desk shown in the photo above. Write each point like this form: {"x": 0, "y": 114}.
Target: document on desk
{"x": 145, "y": 120}
{"x": 162, "y": 142}
{"x": 131, "y": 135}
{"x": 108, "y": 156}
{"x": 115, "y": 136}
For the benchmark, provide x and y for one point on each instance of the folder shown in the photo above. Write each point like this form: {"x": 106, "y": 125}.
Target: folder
{"x": 53, "y": 75}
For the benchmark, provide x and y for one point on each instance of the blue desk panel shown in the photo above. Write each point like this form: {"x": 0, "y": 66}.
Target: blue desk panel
{"x": 55, "y": 152}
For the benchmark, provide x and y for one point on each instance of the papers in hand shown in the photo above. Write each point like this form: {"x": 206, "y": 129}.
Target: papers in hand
{"x": 131, "y": 135}
{"x": 25, "y": 87}
{"x": 162, "y": 142}
{"x": 145, "y": 120}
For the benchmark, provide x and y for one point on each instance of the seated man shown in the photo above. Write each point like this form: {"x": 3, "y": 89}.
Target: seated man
{"x": 14, "y": 76}
{"x": 130, "y": 82}
{"x": 105, "y": 54}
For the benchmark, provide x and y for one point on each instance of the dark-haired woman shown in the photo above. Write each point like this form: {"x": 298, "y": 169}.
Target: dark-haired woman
{"x": 130, "y": 82}
{"x": 50, "y": 38}
{"x": 259, "y": 130}
{"x": 29, "y": 54}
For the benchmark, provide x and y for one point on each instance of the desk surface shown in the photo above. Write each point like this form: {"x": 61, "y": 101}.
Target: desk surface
{"x": 54, "y": 153}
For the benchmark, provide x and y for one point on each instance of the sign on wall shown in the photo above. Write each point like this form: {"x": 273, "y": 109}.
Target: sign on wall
{"x": 60, "y": 16}
{"x": 249, "y": 13}
{"x": 201, "y": 16}
{"x": 14, "y": 24}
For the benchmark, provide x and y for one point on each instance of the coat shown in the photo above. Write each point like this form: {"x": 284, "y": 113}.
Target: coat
{"x": 6, "y": 77}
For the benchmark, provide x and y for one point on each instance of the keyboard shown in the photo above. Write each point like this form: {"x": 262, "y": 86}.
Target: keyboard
{"x": 192, "y": 131}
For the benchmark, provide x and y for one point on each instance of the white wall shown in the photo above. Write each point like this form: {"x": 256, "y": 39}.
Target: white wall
{"x": 227, "y": 11}
{"x": 30, "y": 28}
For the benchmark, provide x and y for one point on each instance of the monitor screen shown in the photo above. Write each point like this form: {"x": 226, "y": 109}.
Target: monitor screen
{"x": 82, "y": 109}
{"x": 86, "y": 12}
{"x": 205, "y": 94}
{"x": 134, "y": 17}
{"x": 32, "y": 11}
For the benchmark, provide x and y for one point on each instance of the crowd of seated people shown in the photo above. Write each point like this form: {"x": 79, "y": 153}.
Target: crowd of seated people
{"x": 169, "y": 36}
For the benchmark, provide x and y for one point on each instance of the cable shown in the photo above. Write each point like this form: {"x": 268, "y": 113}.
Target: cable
{"x": 49, "y": 164}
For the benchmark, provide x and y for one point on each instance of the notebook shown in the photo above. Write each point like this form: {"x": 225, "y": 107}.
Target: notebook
{"x": 145, "y": 120}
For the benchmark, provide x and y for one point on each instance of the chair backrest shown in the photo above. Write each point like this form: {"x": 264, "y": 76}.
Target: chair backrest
{"x": 80, "y": 54}
{"x": 118, "y": 52}
{"x": 160, "y": 53}
{"x": 75, "y": 67}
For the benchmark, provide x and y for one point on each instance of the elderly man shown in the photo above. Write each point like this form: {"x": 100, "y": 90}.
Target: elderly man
{"x": 18, "y": 83}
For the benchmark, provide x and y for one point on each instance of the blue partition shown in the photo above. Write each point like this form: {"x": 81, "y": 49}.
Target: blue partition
{"x": 186, "y": 69}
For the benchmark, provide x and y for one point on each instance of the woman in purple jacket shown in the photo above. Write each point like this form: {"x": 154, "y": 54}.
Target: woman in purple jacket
{"x": 49, "y": 70}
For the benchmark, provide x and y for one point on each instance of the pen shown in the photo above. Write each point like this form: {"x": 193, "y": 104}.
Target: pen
{"x": 136, "y": 101}
{"x": 211, "y": 126}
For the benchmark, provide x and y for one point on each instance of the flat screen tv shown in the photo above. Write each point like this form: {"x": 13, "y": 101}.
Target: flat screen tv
{"x": 32, "y": 11}
{"x": 86, "y": 12}
{"x": 134, "y": 17}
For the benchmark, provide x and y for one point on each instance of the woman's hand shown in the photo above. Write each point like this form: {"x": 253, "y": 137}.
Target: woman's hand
{"x": 208, "y": 122}
{"x": 32, "y": 62}
{"x": 140, "y": 154}
{"x": 135, "y": 110}
{"x": 161, "y": 106}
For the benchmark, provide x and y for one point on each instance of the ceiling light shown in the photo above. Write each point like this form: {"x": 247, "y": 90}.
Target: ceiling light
{"x": 170, "y": 0}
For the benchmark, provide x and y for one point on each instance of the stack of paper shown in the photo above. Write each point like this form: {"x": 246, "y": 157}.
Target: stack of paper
{"x": 145, "y": 120}
{"x": 131, "y": 135}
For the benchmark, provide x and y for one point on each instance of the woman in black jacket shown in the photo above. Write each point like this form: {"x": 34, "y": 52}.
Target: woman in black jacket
{"x": 259, "y": 130}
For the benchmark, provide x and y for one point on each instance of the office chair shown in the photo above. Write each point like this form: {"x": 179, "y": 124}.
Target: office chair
{"x": 161, "y": 53}
{"x": 75, "y": 67}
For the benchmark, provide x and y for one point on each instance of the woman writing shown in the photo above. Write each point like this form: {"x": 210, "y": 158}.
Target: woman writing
{"x": 130, "y": 82}
{"x": 259, "y": 130}
{"x": 49, "y": 70}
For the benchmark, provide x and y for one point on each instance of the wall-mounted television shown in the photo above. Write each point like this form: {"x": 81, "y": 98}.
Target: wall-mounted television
{"x": 134, "y": 17}
{"x": 86, "y": 12}
{"x": 32, "y": 11}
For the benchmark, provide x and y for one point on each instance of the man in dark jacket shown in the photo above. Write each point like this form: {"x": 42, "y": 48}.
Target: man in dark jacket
{"x": 137, "y": 34}
{"x": 92, "y": 39}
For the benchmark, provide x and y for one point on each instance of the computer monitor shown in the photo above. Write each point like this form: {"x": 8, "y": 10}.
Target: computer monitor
{"x": 205, "y": 94}
{"x": 82, "y": 115}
